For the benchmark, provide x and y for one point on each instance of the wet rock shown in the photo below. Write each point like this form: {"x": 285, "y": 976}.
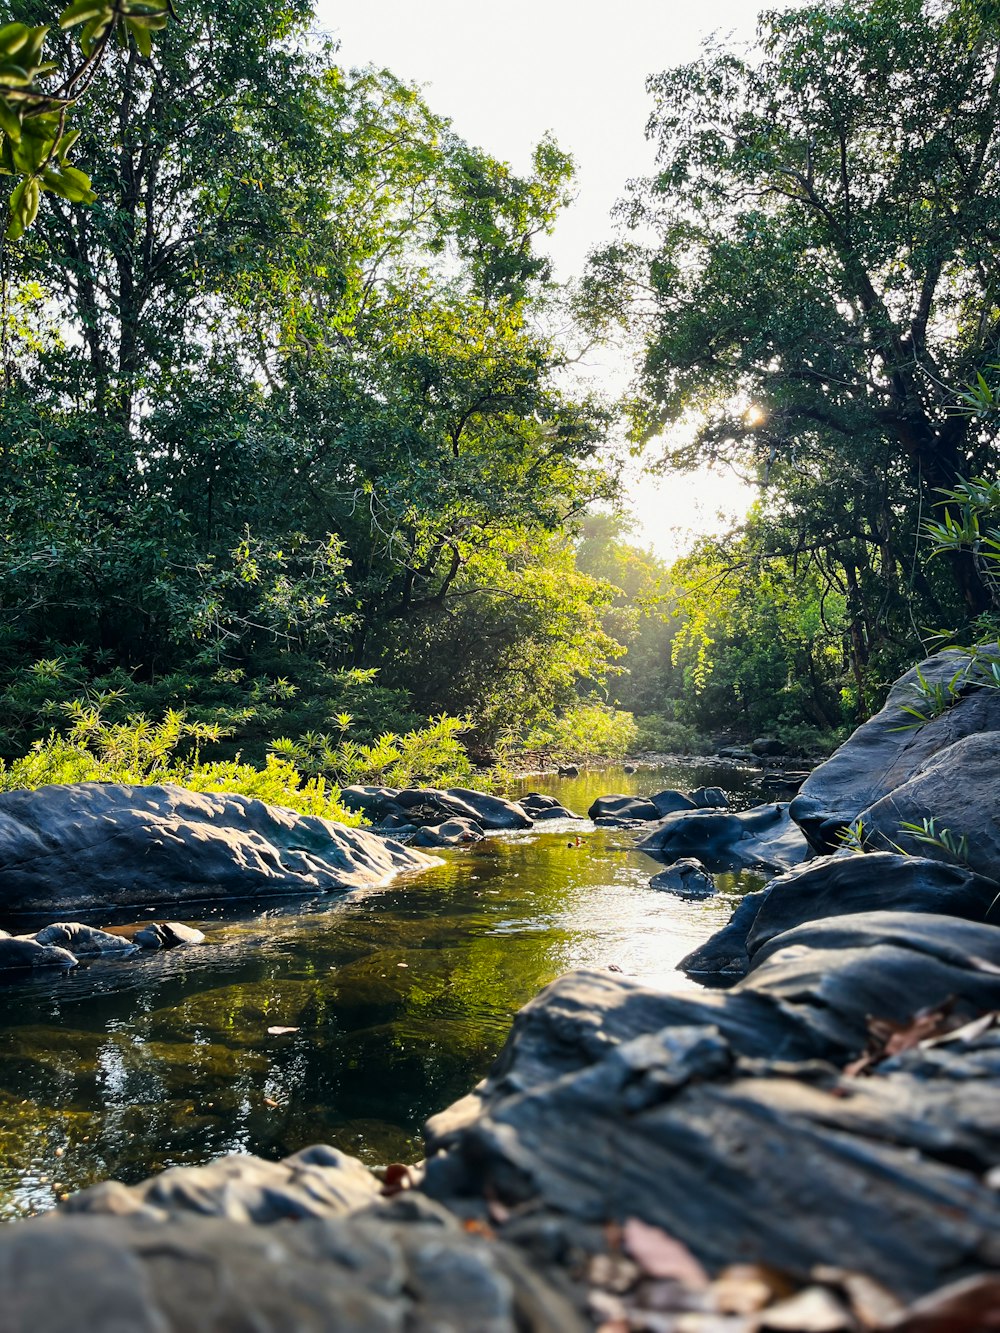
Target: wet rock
{"x": 84, "y": 941}
{"x": 540, "y": 807}
{"x": 493, "y": 812}
{"x": 668, "y": 802}
{"x": 568, "y": 771}
{"x": 93, "y": 844}
{"x": 21, "y": 954}
{"x": 724, "y": 955}
{"x": 767, "y": 745}
{"x": 687, "y": 878}
{"x": 620, "y": 808}
{"x": 452, "y": 833}
{"x": 764, "y": 837}
{"x": 166, "y": 935}
{"x": 363, "y": 1274}
{"x": 840, "y": 885}
{"x": 316, "y": 1182}
{"x": 709, "y": 798}
{"x": 889, "y": 749}
{"x": 959, "y": 789}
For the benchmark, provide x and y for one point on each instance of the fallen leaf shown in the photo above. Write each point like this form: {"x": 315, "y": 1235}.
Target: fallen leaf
{"x": 814, "y": 1310}
{"x": 967, "y": 1032}
{"x": 659, "y": 1255}
{"x": 269, "y": 1101}
{"x": 969, "y": 1306}
{"x": 279, "y": 1031}
{"x": 475, "y": 1227}
{"x": 887, "y": 1038}
{"x": 395, "y": 1179}
{"x": 870, "y": 1303}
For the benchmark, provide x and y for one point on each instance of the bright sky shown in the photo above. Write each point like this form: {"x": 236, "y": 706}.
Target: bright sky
{"x": 506, "y": 74}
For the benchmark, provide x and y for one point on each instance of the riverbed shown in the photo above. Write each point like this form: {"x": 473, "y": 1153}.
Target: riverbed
{"x": 396, "y": 1003}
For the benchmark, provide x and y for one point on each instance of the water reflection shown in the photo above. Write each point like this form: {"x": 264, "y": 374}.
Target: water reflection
{"x": 400, "y": 1001}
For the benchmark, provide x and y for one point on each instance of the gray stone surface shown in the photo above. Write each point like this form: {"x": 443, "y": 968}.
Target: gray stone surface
{"x": 888, "y": 749}
{"x": 622, "y": 808}
{"x": 84, "y": 941}
{"x": 452, "y": 833}
{"x": 709, "y": 798}
{"x": 669, "y": 801}
{"x": 167, "y": 935}
{"x": 316, "y": 1182}
{"x": 677, "y": 1120}
{"x": 959, "y": 789}
{"x": 366, "y": 1274}
{"x": 18, "y": 954}
{"x": 840, "y": 885}
{"x": 763, "y": 837}
{"x": 688, "y": 878}
{"x": 93, "y": 844}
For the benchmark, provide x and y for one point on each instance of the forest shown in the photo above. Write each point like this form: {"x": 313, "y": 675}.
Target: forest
{"x": 299, "y": 478}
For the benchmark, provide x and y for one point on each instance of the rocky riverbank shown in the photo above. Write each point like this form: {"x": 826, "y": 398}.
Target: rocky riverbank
{"x": 815, "y": 1148}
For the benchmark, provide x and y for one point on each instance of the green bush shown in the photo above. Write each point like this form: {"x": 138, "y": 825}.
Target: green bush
{"x": 589, "y": 730}
{"x": 665, "y": 735}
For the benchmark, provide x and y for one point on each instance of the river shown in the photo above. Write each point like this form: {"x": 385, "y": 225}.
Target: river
{"x": 399, "y": 1001}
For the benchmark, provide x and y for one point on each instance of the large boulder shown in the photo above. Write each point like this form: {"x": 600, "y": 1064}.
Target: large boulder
{"x": 21, "y": 953}
{"x": 890, "y": 748}
{"x": 671, "y": 800}
{"x": 85, "y": 941}
{"x": 764, "y": 837}
{"x": 840, "y": 885}
{"x": 94, "y": 844}
{"x": 452, "y": 833}
{"x": 743, "y": 1155}
{"x": 953, "y": 799}
{"x": 623, "y": 809}
{"x": 493, "y": 812}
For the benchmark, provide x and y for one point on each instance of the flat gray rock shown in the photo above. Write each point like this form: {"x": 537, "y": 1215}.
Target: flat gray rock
{"x": 20, "y": 954}
{"x": 687, "y": 878}
{"x": 93, "y": 844}
{"x": 84, "y": 941}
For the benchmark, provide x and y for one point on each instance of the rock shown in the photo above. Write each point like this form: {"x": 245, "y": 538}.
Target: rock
{"x": 959, "y": 789}
{"x": 708, "y": 798}
{"x": 316, "y": 1182}
{"x": 538, "y": 807}
{"x": 166, "y": 935}
{"x": 94, "y": 844}
{"x": 669, "y": 801}
{"x": 778, "y": 1160}
{"x": 493, "y": 812}
{"x": 688, "y": 878}
{"x": 567, "y": 771}
{"x": 18, "y": 955}
{"x": 375, "y": 802}
{"x": 767, "y": 745}
{"x": 621, "y": 808}
{"x": 452, "y": 833}
{"x": 367, "y": 1273}
{"x": 763, "y": 837}
{"x": 724, "y": 955}
{"x": 84, "y": 941}
{"x": 890, "y": 748}
{"x": 629, "y": 768}
{"x": 834, "y": 886}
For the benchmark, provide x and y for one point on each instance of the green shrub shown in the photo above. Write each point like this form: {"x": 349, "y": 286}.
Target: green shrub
{"x": 590, "y": 730}
{"x": 665, "y": 735}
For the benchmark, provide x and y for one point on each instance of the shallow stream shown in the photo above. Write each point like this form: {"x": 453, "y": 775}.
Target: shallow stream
{"x": 399, "y": 1001}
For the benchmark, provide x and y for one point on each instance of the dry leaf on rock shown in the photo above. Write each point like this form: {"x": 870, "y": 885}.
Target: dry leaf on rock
{"x": 659, "y": 1255}
{"x": 747, "y": 1288}
{"x": 887, "y": 1038}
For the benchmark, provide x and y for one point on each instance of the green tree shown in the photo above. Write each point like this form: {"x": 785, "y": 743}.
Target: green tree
{"x": 824, "y": 283}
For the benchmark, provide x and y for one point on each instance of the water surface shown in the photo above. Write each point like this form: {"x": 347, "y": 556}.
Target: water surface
{"x": 400, "y": 999}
